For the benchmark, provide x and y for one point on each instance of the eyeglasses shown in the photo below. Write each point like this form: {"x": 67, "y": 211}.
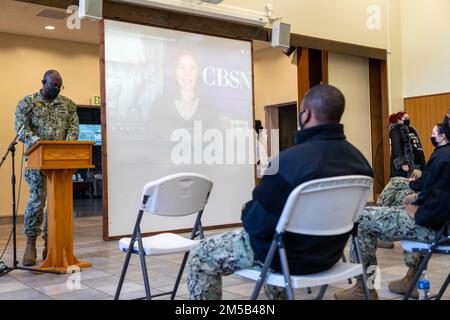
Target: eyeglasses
{"x": 55, "y": 86}
{"x": 300, "y": 114}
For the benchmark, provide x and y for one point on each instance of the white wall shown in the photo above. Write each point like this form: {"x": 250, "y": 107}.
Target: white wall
{"x": 340, "y": 20}
{"x": 275, "y": 79}
{"x": 276, "y": 82}
{"x": 394, "y": 57}
{"x": 23, "y": 61}
{"x": 351, "y": 75}
{"x": 425, "y": 32}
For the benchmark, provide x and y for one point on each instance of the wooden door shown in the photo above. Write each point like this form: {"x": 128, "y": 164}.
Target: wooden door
{"x": 425, "y": 112}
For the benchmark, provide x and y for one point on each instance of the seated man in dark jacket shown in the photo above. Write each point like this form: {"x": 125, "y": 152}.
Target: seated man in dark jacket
{"x": 419, "y": 219}
{"x": 321, "y": 151}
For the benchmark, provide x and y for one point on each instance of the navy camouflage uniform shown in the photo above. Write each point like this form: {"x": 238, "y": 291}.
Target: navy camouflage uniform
{"x": 222, "y": 255}
{"x": 394, "y": 193}
{"x": 42, "y": 120}
{"x": 388, "y": 224}
{"x": 389, "y": 221}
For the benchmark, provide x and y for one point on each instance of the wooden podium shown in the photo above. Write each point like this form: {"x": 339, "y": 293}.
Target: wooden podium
{"x": 58, "y": 160}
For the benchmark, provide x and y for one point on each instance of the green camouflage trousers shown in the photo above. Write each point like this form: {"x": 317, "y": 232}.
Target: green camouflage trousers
{"x": 388, "y": 224}
{"x": 394, "y": 193}
{"x": 222, "y": 255}
{"x": 3, "y": 266}
{"x": 34, "y": 213}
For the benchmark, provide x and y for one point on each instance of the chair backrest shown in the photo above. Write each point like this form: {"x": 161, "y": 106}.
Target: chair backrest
{"x": 178, "y": 194}
{"x": 325, "y": 207}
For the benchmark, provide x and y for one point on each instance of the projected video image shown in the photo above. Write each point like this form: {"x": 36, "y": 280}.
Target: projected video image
{"x": 171, "y": 89}
{"x": 177, "y": 102}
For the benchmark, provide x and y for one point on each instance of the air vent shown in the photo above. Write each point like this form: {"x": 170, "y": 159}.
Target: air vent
{"x": 52, "y": 14}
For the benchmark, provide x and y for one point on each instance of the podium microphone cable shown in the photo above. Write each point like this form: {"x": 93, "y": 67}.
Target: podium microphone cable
{"x": 17, "y": 206}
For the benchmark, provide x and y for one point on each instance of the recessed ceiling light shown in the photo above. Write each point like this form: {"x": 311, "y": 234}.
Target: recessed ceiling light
{"x": 50, "y": 28}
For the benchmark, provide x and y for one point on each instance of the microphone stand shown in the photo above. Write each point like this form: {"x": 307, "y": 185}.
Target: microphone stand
{"x": 12, "y": 150}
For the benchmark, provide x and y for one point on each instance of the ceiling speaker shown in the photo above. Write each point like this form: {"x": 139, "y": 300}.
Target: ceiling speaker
{"x": 91, "y": 9}
{"x": 281, "y": 35}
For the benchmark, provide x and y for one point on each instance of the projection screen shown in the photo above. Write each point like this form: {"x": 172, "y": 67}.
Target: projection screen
{"x": 176, "y": 102}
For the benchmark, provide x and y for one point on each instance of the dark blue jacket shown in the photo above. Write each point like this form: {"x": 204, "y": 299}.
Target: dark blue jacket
{"x": 321, "y": 152}
{"x": 434, "y": 190}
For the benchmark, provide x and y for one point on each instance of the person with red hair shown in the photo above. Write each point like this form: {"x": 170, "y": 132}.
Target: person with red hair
{"x": 406, "y": 149}
{"x": 407, "y": 154}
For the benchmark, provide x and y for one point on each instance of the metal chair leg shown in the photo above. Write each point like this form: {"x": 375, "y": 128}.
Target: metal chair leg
{"x": 364, "y": 271}
{"x": 344, "y": 260}
{"x": 323, "y": 290}
{"x": 265, "y": 269}
{"x": 443, "y": 288}
{"x": 144, "y": 267}
{"x": 124, "y": 271}
{"x": 287, "y": 276}
{"x": 422, "y": 267}
{"x": 136, "y": 232}
{"x": 180, "y": 274}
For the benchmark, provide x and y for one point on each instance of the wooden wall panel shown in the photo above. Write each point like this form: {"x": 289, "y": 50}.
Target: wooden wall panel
{"x": 302, "y": 73}
{"x": 425, "y": 112}
{"x": 379, "y": 118}
{"x": 312, "y": 69}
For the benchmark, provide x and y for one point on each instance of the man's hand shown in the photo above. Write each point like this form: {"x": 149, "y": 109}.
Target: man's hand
{"x": 405, "y": 167}
{"x": 416, "y": 174}
{"x": 411, "y": 210}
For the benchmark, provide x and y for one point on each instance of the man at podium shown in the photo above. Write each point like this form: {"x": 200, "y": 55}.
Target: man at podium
{"x": 44, "y": 115}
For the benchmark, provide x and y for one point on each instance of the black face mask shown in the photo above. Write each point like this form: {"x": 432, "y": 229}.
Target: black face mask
{"x": 407, "y": 122}
{"x": 302, "y": 124}
{"x": 434, "y": 142}
{"x": 51, "y": 93}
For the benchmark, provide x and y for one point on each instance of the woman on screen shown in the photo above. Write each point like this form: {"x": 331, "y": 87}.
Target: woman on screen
{"x": 181, "y": 110}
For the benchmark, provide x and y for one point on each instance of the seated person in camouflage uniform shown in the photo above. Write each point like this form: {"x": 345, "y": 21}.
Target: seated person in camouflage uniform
{"x": 394, "y": 195}
{"x": 42, "y": 115}
{"x": 322, "y": 151}
{"x": 419, "y": 218}
{"x": 398, "y": 188}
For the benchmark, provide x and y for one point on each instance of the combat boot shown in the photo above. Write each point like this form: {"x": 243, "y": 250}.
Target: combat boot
{"x": 29, "y": 256}
{"x": 44, "y": 252}
{"x": 401, "y": 286}
{"x": 355, "y": 293}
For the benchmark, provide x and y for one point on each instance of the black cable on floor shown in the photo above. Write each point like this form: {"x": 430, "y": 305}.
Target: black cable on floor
{"x": 18, "y": 200}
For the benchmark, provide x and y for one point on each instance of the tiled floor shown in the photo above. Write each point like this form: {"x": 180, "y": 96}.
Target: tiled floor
{"x": 100, "y": 281}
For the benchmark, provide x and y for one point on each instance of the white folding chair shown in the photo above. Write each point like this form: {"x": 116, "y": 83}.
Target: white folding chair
{"x": 323, "y": 207}
{"x": 440, "y": 245}
{"x": 176, "y": 195}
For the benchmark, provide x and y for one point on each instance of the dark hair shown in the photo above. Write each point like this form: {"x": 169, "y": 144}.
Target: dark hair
{"x": 441, "y": 129}
{"x": 258, "y": 125}
{"x": 326, "y": 102}
{"x": 446, "y": 126}
{"x": 395, "y": 117}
